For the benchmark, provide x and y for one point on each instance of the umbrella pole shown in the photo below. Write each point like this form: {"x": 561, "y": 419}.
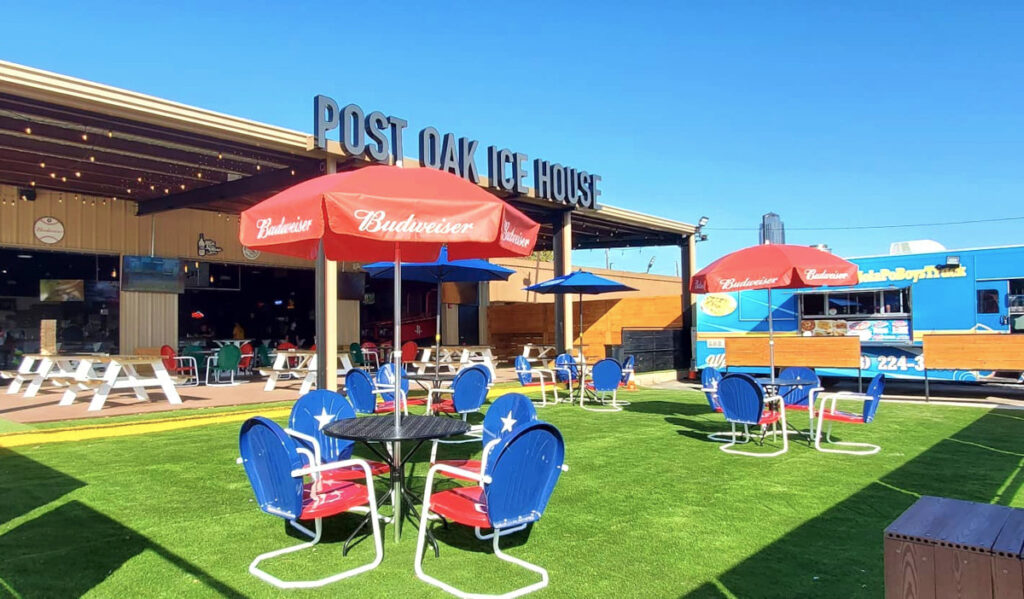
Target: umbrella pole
{"x": 771, "y": 337}
{"x": 320, "y": 313}
{"x": 583, "y": 359}
{"x": 437, "y": 340}
{"x": 396, "y": 353}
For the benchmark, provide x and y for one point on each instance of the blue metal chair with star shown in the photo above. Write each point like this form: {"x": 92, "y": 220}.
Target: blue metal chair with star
{"x": 528, "y": 376}
{"x": 467, "y": 393}
{"x": 869, "y": 406}
{"x": 386, "y": 386}
{"x": 567, "y": 371}
{"x": 800, "y": 396}
{"x": 605, "y": 378}
{"x": 310, "y": 414}
{"x": 504, "y": 414}
{"x": 743, "y": 402}
{"x": 363, "y": 393}
{"x": 709, "y": 379}
{"x": 519, "y": 474}
{"x": 281, "y": 480}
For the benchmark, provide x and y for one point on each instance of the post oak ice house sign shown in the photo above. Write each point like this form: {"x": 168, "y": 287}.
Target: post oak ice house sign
{"x": 378, "y": 137}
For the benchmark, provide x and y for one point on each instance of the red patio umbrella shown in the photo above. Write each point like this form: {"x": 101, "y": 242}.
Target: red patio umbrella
{"x": 774, "y": 266}
{"x": 387, "y": 212}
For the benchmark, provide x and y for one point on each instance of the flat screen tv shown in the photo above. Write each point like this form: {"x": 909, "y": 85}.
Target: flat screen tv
{"x": 351, "y": 285}
{"x": 61, "y": 290}
{"x": 153, "y": 274}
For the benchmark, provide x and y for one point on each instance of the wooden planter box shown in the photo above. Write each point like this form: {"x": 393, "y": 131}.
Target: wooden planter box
{"x": 946, "y": 548}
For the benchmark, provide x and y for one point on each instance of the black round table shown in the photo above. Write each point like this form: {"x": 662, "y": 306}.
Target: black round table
{"x": 381, "y": 430}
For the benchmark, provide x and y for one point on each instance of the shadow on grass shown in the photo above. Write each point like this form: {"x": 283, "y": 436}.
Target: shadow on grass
{"x": 70, "y": 549}
{"x": 26, "y": 484}
{"x": 839, "y": 552}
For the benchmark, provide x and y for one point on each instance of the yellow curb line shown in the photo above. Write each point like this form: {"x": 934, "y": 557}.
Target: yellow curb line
{"x": 85, "y": 433}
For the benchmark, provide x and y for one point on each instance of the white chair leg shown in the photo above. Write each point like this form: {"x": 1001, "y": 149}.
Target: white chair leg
{"x": 613, "y": 408}
{"x": 726, "y": 437}
{"x": 308, "y": 584}
{"x": 496, "y": 537}
{"x": 866, "y": 448}
{"x": 728, "y": 447}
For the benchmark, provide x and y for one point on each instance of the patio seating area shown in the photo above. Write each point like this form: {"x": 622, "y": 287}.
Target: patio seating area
{"x": 648, "y": 496}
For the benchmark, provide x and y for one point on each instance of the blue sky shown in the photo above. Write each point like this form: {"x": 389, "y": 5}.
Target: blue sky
{"x": 831, "y": 114}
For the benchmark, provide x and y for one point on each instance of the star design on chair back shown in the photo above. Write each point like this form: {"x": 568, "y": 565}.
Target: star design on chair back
{"x": 324, "y": 418}
{"x": 507, "y": 423}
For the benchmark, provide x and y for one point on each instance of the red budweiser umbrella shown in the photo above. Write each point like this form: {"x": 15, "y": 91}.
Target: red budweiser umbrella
{"x": 774, "y": 267}
{"x": 364, "y": 215}
{"x": 387, "y": 212}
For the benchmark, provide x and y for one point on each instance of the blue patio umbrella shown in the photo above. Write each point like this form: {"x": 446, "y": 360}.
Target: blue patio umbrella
{"x": 582, "y": 283}
{"x": 440, "y": 271}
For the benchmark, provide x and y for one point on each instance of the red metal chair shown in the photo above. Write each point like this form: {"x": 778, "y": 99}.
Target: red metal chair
{"x": 409, "y": 352}
{"x": 245, "y": 362}
{"x": 176, "y": 365}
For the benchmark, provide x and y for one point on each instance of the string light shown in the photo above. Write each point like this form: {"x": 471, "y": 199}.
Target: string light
{"x": 199, "y": 175}
{"x": 166, "y": 191}
{"x": 63, "y": 179}
{"x": 92, "y": 159}
{"x": 28, "y": 130}
{"x": 220, "y": 156}
{"x": 139, "y": 179}
{"x": 113, "y": 273}
{"x": 110, "y": 134}
{"x": 293, "y": 172}
{"x": 258, "y": 167}
{"x": 211, "y": 278}
{"x": 152, "y": 187}
{"x": 32, "y": 183}
{"x": 93, "y": 203}
{"x": 129, "y": 190}
{"x": 85, "y": 137}
{"x": 42, "y": 165}
{"x": 53, "y": 175}
{"x": 78, "y": 174}
{"x": 182, "y": 186}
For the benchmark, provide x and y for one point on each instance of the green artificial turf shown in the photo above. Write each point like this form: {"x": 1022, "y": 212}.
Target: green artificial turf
{"x": 649, "y": 508}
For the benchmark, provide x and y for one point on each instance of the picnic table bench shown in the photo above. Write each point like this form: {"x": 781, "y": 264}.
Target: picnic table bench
{"x": 119, "y": 372}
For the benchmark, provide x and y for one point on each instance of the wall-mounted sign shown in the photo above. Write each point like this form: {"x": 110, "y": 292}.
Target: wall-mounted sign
{"x": 207, "y": 247}
{"x": 718, "y": 304}
{"x": 250, "y": 254}
{"x": 379, "y": 137}
{"x": 48, "y": 229}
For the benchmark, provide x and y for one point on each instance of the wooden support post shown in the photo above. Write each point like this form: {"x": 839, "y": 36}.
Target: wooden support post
{"x": 563, "y": 265}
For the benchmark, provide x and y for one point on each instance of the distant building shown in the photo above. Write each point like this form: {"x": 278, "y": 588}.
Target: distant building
{"x": 772, "y": 229}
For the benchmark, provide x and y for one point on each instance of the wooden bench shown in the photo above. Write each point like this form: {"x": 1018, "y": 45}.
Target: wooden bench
{"x": 811, "y": 352}
{"x": 972, "y": 351}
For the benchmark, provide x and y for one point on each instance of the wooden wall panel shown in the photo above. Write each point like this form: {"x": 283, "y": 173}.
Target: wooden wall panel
{"x": 510, "y": 326}
{"x": 812, "y": 352}
{"x": 148, "y": 320}
{"x": 108, "y": 226}
{"x": 974, "y": 352}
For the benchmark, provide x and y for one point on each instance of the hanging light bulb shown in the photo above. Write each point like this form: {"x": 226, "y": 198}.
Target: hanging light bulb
{"x": 199, "y": 175}
{"x": 110, "y": 134}
{"x": 220, "y": 156}
{"x": 85, "y": 137}
{"x": 211, "y": 278}
{"x": 28, "y": 130}
{"x": 139, "y": 179}
{"x": 42, "y": 165}
{"x": 92, "y": 159}
{"x": 32, "y": 183}
{"x": 186, "y": 269}
{"x": 53, "y": 175}
{"x": 78, "y": 174}
{"x": 113, "y": 274}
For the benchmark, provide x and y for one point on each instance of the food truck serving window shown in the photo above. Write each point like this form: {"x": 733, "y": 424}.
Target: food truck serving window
{"x": 881, "y": 303}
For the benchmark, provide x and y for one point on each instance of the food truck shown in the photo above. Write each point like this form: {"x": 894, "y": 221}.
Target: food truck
{"x": 900, "y": 297}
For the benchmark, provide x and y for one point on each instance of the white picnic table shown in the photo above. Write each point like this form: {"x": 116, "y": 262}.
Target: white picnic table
{"x": 538, "y": 354}
{"x": 119, "y": 372}
{"x": 470, "y": 354}
{"x": 37, "y": 369}
{"x": 299, "y": 363}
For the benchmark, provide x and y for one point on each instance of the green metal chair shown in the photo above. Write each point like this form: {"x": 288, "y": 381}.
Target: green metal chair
{"x": 263, "y": 355}
{"x": 356, "y": 353}
{"x": 225, "y": 360}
